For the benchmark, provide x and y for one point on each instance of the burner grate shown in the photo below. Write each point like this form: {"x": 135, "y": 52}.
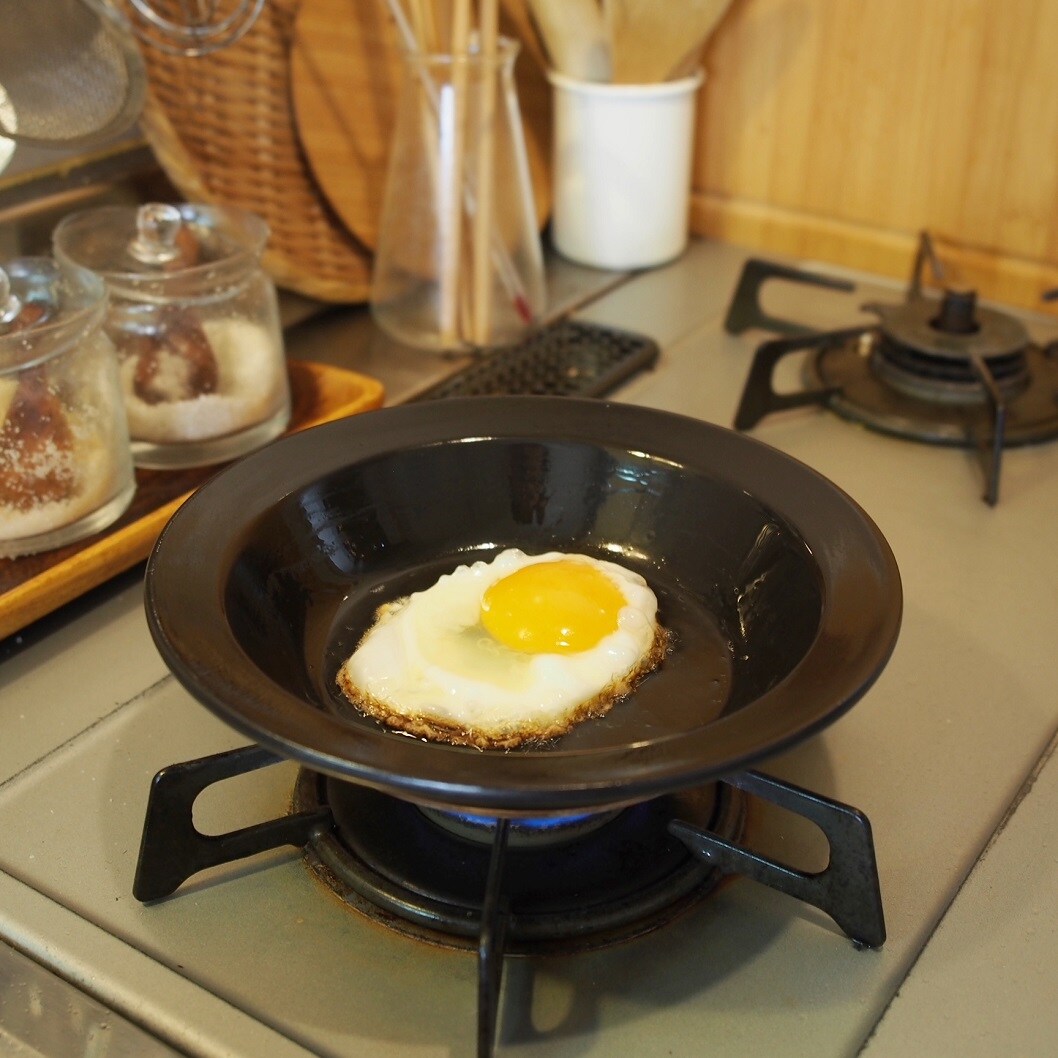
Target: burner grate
{"x": 172, "y": 850}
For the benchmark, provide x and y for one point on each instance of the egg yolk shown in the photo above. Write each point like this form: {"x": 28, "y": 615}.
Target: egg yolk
{"x": 552, "y": 608}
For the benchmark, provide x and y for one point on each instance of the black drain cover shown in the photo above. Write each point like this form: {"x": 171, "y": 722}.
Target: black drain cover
{"x": 570, "y": 358}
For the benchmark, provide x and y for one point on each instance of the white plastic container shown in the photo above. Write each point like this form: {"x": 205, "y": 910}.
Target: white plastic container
{"x": 622, "y": 170}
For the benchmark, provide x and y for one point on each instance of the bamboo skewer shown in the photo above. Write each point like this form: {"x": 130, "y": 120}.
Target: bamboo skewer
{"x": 482, "y": 262}
{"x": 452, "y": 114}
{"x": 422, "y": 15}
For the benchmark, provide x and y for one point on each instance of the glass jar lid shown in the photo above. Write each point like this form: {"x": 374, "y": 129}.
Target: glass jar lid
{"x": 44, "y": 309}
{"x": 160, "y": 251}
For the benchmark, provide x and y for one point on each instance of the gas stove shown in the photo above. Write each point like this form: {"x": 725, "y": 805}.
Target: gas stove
{"x": 259, "y": 956}
{"x": 939, "y": 369}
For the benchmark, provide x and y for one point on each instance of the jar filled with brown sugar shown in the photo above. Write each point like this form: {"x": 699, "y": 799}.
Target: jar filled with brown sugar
{"x": 65, "y": 466}
{"x": 195, "y": 322}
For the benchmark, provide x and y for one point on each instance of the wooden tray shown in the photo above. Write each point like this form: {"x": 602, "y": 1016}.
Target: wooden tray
{"x": 35, "y": 585}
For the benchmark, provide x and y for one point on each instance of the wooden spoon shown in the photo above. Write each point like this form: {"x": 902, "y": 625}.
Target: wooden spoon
{"x": 651, "y": 40}
{"x": 38, "y": 440}
{"x": 176, "y": 361}
{"x": 35, "y": 436}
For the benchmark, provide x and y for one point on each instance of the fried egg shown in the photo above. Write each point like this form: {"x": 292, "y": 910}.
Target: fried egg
{"x": 501, "y": 652}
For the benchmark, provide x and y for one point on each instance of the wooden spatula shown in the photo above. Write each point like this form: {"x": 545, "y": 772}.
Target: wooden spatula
{"x": 650, "y": 40}
{"x": 574, "y": 37}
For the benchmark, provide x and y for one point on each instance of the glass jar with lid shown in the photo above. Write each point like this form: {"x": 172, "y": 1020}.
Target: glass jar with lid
{"x": 195, "y": 322}
{"x": 65, "y": 465}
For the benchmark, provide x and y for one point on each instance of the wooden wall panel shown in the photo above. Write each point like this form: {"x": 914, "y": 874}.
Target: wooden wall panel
{"x": 838, "y": 129}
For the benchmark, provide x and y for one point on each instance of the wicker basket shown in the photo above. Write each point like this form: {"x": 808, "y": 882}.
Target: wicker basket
{"x": 223, "y": 130}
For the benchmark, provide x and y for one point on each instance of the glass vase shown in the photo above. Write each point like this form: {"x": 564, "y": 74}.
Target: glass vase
{"x": 458, "y": 264}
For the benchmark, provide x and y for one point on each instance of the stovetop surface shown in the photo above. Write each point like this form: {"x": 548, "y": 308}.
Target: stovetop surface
{"x": 256, "y": 959}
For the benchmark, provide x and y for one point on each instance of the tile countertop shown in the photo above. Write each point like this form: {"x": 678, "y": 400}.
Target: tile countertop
{"x": 986, "y": 983}
{"x": 940, "y": 755}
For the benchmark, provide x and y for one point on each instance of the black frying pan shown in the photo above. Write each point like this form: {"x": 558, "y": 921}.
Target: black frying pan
{"x": 783, "y": 597}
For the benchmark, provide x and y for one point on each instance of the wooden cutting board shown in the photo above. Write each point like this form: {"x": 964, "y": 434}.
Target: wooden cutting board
{"x": 345, "y": 69}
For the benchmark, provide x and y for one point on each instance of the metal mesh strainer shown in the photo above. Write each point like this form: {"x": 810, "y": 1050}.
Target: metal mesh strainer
{"x": 70, "y": 73}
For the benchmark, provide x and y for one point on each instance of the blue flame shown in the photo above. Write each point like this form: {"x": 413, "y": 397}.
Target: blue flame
{"x": 528, "y": 822}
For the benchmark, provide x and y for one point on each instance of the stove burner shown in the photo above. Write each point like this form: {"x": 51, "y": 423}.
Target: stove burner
{"x": 930, "y": 351}
{"x": 942, "y": 371}
{"x": 615, "y": 876}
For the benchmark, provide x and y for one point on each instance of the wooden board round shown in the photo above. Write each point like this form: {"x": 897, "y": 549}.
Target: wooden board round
{"x": 345, "y": 75}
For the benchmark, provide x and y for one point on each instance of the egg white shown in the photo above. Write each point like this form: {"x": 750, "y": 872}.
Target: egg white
{"x": 428, "y": 657}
